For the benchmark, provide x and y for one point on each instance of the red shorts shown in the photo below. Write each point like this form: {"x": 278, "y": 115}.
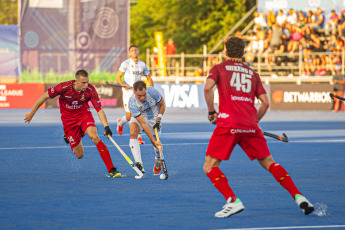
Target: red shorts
{"x": 224, "y": 140}
{"x": 74, "y": 131}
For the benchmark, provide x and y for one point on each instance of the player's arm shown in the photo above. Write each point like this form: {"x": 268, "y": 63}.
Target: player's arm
{"x": 264, "y": 105}
{"x": 209, "y": 97}
{"x": 104, "y": 120}
{"x": 37, "y": 105}
{"x": 147, "y": 130}
{"x": 149, "y": 81}
{"x": 161, "y": 111}
{"x": 119, "y": 80}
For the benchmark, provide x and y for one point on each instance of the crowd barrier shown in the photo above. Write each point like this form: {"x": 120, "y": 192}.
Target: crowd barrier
{"x": 283, "y": 96}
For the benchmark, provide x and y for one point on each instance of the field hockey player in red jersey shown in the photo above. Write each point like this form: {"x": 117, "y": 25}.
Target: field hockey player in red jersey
{"x": 237, "y": 123}
{"x": 76, "y": 116}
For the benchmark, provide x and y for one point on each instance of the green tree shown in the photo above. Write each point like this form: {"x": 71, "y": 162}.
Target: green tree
{"x": 8, "y": 12}
{"x": 191, "y": 23}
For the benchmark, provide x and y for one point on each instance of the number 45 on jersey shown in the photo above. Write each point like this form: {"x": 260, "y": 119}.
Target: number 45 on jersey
{"x": 241, "y": 81}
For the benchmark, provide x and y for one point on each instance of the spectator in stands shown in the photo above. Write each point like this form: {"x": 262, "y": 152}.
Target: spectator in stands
{"x": 315, "y": 43}
{"x": 292, "y": 17}
{"x": 259, "y": 21}
{"x": 341, "y": 24}
{"x": 249, "y": 58}
{"x": 301, "y": 20}
{"x": 329, "y": 46}
{"x": 310, "y": 17}
{"x": 281, "y": 18}
{"x": 271, "y": 18}
{"x": 319, "y": 20}
{"x": 307, "y": 62}
{"x": 332, "y": 23}
{"x": 169, "y": 49}
{"x": 320, "y": 66}
{"x": 296, "y": 36}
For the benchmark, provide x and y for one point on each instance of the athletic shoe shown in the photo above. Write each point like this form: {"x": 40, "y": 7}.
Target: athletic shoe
{"x": 114, "y": 173}
{"x": 304, "y": 204}
{"x": 140, "y": 166}
{"x": 140, "y": 140}
{"x": 65, "y": 139}
{"x": 230, "y": 209}
{"x": 157, "y": 168}
{"x": 119, "y": 128}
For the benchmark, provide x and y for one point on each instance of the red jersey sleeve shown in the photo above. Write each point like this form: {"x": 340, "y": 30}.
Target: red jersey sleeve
{"x": 259, "y": 87}
{"x": 96, "y": 102}
{"x": 214, "y": 73}
{"x": 55, "y": 90}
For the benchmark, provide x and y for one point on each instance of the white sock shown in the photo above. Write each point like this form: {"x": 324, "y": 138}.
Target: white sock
{"x": 123, "y": 121}
{"x": 135, "y": 148}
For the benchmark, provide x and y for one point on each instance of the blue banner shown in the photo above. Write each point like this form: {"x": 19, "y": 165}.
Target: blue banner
{"x": 9, "y": 51}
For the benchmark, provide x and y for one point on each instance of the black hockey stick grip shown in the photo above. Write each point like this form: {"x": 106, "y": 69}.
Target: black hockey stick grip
{"x": 283, "y": 138}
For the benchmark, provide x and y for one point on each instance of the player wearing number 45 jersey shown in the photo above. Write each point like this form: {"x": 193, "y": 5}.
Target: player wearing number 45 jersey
{"x": 76, "y": 116}
{"x": 237, "y": 123}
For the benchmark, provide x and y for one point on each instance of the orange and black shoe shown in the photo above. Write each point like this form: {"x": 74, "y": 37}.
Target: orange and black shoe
{"x": 119, "y": 128}
{"x": 141, "y": 141}
{"x": 157, "y": 168}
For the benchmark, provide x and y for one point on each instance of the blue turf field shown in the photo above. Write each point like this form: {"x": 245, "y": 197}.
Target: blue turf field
{"x": 44, "y": 186}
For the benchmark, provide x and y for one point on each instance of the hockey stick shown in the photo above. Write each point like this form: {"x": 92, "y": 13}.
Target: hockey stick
{"x": 114, "y": 84}
{"x": 284, "y": 138}
{"x": 335, "y": 96}
{"x": 140, "y": 174}
{"x": 165, "y": 170}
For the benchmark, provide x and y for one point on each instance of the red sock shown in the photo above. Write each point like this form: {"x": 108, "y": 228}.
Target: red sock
{"x": 219, "y": 181}
{"x": 103, "y": 151}
{"x": 284, "y": 179}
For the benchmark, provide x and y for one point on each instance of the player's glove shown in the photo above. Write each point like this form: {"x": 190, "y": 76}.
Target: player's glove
{"x": 212, "y": 117}
{"x": 107, "y": 131}
{"x": 157, "y": 125}
{"x": 65, "y": 138}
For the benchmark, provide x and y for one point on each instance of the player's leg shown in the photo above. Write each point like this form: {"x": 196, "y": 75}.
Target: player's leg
{"x": 157, "y": 167}
{"x": 219, "y": 148}
{"x": 233, "y": 204}
{"x": 284, "y": 179}
{"x": 78, "y": 150}
{"x": 134, "y": 128}
{"x": 91, "y": 131}
{"x": 126, "y": 94}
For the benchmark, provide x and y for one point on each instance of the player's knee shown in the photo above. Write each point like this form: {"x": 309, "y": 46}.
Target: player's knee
{"x": 95, "y": 138}
{"x": 79, "y": 154}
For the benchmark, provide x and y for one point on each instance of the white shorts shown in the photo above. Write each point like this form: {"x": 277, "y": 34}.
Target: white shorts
{"x": 126, "y": 94}
{"x": 149, "y": 122}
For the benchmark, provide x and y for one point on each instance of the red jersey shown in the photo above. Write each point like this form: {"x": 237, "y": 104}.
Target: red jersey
{"x": 73, "y": 104}
{"x": 238, "y": 85}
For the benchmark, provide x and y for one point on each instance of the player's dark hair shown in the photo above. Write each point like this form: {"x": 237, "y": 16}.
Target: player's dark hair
{"x": 139, "y": 85}
{"x": 82, "y": 72}
{"x": 132, "y": 46}
{"x": 234, "y": 47}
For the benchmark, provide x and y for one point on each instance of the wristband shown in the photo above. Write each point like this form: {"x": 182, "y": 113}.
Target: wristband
{"x": 211, "y": 113}
{"x": 160, "y": 115}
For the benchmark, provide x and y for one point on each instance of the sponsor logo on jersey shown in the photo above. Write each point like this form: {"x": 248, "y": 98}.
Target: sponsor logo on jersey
{"x": 52, "y": 89}
{"x": 75, "y": 103}
{"x": 233, "y": 131}
{"x": 223, "y": 115}
{"x": 82, "y": 98}
{"x": 68, "y": 96}
{"x": 245, "y": 99}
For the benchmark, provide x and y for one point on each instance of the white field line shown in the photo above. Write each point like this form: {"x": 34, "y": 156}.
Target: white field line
{"x": 292, "y": 227}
